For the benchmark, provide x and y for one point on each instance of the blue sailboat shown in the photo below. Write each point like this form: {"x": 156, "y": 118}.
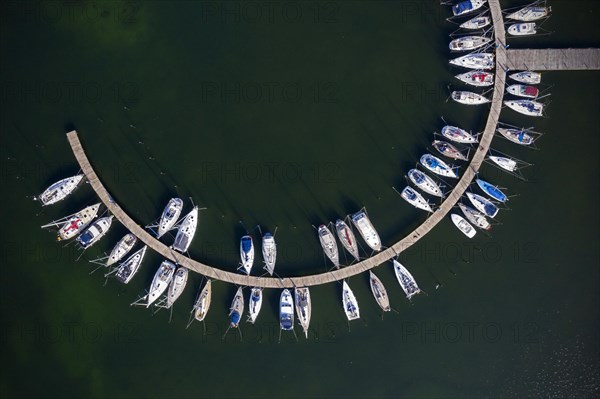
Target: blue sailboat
{"x": 492, "y": 190}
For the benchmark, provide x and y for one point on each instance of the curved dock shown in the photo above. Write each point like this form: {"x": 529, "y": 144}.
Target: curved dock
{"x": 345, "y": 272}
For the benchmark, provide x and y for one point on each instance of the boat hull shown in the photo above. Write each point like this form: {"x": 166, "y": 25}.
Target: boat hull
{"x": 464, "y": 226}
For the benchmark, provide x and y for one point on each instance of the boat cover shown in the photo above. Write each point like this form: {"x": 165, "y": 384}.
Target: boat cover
{"x": 246, "y": 244}
{"x": 462, "y": 7}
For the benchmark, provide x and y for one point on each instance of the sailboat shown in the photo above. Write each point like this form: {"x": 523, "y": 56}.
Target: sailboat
{"x": 286, "y": 310}
{"x": 475, "y": 217}
{"x": 247, "y": 253}
{"x": 438, "y": 166}
{"x": 130, "y": 267}
{"x": 526, "y": 107}
{"x": 466, "y": 43}
{"x": 367, "y": 231}
{"x": 95, "y": 232}
{"x": 467, "y": 6}
{"x": 177, "y": 285}
{"x": 406, "y": 280}
{"x": 77, "y": 222}
{"x": 169, "y": 216}
{"x": 347, "y": 238}
{"x": 504, "y": 163}
{"x": 483, "y": 204}
{"x": 349, "y": 301}
{"x": 425, "y": 183}
{"x": 121, "y": 248}
{"x": 60, "y": 190}
{"x": 518, "y": 136}
{"x": 476, "y": 78}
{"x": 491, "y": 190}
{"x": 475, "y": 61}
{"x": 476, "y": 23}
{"x": 160, "y": 282}
{"x": 186, "y": 231}
{"x": 329, "y": 245}
{"x": 236, "y": 309}
{"x": 415, "y": 199}
{"x": 469, "y": 98}
{"x": 254, "y": 304}
{"x": 379, "y": 292}
{"x": 528, "y": 14}
{"x": 269, "y": 252}
{"x": 464, "y": 226}
{"x": 303, "y": 307}
{"x": 522, "y": 29}
{"x": 527, "y": 77}
{"x": 448, "y": 150}
{"x": 203, "y": 302}
{"x": 458, "y": 135}
{"x": 523, "y": 91}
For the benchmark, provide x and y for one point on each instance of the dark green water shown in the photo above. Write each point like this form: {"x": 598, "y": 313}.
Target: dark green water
{"x": 288, "y": 114}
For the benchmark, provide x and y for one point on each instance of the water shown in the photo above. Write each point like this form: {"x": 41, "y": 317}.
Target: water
{"x": 288, "y": 121}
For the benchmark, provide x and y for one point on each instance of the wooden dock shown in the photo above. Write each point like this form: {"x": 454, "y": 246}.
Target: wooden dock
{"x": 569, "y": 59}
{"x": 335, "y": 275}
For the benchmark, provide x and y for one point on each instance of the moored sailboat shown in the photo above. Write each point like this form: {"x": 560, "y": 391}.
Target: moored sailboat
{"x": 406, "y": 280}
{"x": 60, "y": 190}
{"x": 425, "y": 183}
{"x": 504, "y": 163}
{"x": 177, "y": 285}
{"x": 458, "y": 135}
{"x": 476, "y": 78}
{"x": 475, "y": 217}
{"x": 130, "y": 267}
{"x": 527, "y": 77}
{"x": 467, "y": 6}
{"x": 247, "y": 253}
{"x": 160, "y": 282}
{"x": 483, "y": 204}
{"x": 347, "y": 238}
{"x": 269, "y": 252}
{"x": 77, "y": 222}
{"x": 286, "y": 310}
{"x": 367, "y": 231}
{"x": 254, "y": 304}
{"x": 203, "y": 302}
{"x": 491, "y": 190}
{"x": 121, "y": 248}
{"x": 379, "y": 292}
{"x": 95, "y": 232}
{"x": 169, "y": 216}
{"x": 475, "y": 61}
{"x": 466, "y": 43}
{"x": 522, "y": 29}
{"x": 448, "y": 150}
{"x": 186, "y": 231}
{"x": 469, "y": 98}
{"x": 478, "y": 22}
{"x": 329, "y": 245}
{"x": 526, "y": 107}
{"x": 528, "y": 14}
{"x": 236, "y": 309}
{"x": 464, "y": 226}
{"x": 415, "y": 199}
{"x": 349, "y": 301}
{"x": 437, "y": 166}
{"x": 523, "y": 91}
{"x": 303, "y": 307}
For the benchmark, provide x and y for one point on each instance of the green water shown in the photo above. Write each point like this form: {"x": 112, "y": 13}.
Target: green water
{"x": 288, "y": 115}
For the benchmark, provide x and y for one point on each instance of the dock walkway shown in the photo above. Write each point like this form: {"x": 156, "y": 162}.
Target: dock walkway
{"x": 553, "y": 59}
{"x": 345, "y": 272}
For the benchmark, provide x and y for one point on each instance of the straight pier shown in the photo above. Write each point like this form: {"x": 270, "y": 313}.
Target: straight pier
{"x": 569, "y": 59}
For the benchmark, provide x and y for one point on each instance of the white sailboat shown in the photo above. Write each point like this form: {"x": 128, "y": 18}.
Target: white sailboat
{"x": 186, "y": 231}
{"x": 75, "y": 223}
{"x": 475, "y": 61}
{"x": 169, "y": 216}
{"x": 347, "y": 238}
{"x": 504, "y": 163}
{"x": 477, "y": 78}
{"x": 476, "y": 23}
{"x": 236, "y": 309}
{"x": 203, "y": 302}
{"x": 160, "y": 282}
{"x": 415, "y": 199}
{"x": 483, "y": 204}
{"x": 349, "y": 301}
{"x": 523, "y": 91}
{"x": 464, "y": 226}
{"x": 329, "y": 245}
{"x": 176, "y": 286}
{"x": 406, "y": 280}
{"x": 425, "y": 183}
{"x": 254, "y": 304}
{"x": 303, "y": 307}
{"x": 522, "y": 29}
{"x": 475, "y": 217}
{"x": 466, "y": 43}
{"x": 130, "y": 267}
{"x": 121, "y": 248}
{"x": 246, "y": 253}
{"x": 269, "y": 252}
{"x": 469, "y": 98}
{"x": 379, "y": 292}
{"x": 467, "y": 6}
{"x": 286, "y": 310}
{"x": 528, "y": 14}
{"x": 95, "y": 232}
{"x": 448, "y": 150}
{"x": 367, "y": 231}
{"x": 60, "y": 190}
{"x": 527, "y": 77}
{"x": 526, "y": 107}
{"x": 437, "y": 166}
{"x": 458, "y": 135}
{"x": 518, "y": 136}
